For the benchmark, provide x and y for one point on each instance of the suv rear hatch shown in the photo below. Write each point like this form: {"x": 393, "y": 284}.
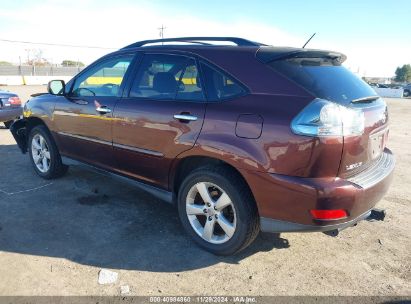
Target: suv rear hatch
{"x": 321, "y": 74}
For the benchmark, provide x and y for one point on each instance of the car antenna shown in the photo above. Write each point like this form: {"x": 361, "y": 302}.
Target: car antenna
{"x": 309, "y": 40}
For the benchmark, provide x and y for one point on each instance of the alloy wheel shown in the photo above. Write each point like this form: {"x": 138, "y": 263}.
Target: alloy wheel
{"x": 40, "y": 153}
{"x": 211, "y": 212}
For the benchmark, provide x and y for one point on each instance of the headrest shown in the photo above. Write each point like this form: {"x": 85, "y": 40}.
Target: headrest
{"x": 164, "y": 82}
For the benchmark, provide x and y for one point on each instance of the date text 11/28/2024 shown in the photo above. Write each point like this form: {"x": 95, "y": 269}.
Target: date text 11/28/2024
{"x": 203, "y": 299}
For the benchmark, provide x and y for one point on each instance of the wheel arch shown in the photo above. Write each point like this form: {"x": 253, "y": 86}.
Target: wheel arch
{"x": 183, "y": 166}
{"x": 21, "y": 130}
{"x": 32, "y": 122}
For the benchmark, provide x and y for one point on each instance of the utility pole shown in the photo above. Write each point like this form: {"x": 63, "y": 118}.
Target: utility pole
{"x": 20, "y": 73}
{"x": 28, "y": 55}
{"x": 162, "y": 28}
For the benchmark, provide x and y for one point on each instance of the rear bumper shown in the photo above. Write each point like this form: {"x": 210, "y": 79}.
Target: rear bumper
{"x": 284, "y": 202}
{"x": 7, "y": 114}
{"x": 276, "y": 226}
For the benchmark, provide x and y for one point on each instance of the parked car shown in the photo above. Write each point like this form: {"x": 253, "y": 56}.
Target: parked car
{"x": 240, "y": 138}
{"x": 407, "y": 90}
{"x": 380, "y": 85}
{"x": 10, "y": 108}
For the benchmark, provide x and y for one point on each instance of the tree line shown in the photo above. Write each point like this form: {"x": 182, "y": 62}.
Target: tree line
{"x": 403, "y": 74}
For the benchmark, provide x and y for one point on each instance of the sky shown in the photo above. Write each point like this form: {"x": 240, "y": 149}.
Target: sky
{"x": 374, "y": 34}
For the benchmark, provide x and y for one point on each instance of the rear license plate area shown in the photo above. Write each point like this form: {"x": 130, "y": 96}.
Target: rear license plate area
{"x": 377, "y": 144}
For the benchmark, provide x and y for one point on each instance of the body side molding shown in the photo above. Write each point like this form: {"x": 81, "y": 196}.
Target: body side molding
{"x": 120, "y": 146}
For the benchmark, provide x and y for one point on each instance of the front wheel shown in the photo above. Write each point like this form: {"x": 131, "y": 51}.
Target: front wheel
{"x": 44, "y": 154}
{"x": 217, "y": 210}
{"x": 406, "y": 93}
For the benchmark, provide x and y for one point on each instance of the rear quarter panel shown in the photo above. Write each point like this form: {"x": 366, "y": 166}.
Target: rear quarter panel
{"x": 277, "y": 100}
{"x": 277, "y": 150}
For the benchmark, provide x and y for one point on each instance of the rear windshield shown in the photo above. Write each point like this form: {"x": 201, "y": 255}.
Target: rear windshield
{"x": 324, "y": 78}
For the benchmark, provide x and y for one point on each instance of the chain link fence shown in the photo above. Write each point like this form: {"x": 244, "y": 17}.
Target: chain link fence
{"x": 31, "y": 70}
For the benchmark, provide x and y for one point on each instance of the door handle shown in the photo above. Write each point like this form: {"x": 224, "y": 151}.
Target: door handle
{"x": 103, "y": 110}
{"x": 185, "y": 117}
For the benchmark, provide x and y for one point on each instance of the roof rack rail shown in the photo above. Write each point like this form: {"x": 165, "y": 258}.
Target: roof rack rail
{"x": 196, "y": 40}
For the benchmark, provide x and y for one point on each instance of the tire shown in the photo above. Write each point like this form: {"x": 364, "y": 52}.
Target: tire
{"x": 241, "y": 215}
{"x": 42, "y": 146}
{"x": 8, "y": 124}
{"x": 406, "y": 93}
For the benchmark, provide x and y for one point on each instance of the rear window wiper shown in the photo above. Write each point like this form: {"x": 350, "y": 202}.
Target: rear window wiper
{"x": 365, "y": 99}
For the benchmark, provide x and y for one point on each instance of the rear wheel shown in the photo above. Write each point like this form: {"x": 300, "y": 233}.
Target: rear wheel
{"x": 406, "y": 93}
{"x": 44, "y": 154}
{"x": 8, "y": 124}
{"x": 218, "y": 211}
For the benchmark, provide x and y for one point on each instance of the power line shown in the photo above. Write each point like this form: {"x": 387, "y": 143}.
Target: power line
{"x": 57, "y": 44}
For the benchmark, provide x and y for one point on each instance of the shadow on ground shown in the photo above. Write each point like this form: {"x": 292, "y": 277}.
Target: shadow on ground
{"x": 96, "y": 220}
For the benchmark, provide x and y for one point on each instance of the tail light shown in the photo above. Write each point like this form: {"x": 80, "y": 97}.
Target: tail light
{"x": 13, "y": 102}
{"x": 328, "y": 215}
{"x": 325, "y": 118}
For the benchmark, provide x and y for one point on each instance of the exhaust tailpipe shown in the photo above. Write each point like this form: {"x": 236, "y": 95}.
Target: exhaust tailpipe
{"x": 376, "y": 215}
{"x": 332, "y": 233}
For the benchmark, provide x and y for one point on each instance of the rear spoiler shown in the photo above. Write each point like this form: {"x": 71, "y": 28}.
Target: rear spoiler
{"x": 38, "y": 94}
{"x": 268, "y": 54}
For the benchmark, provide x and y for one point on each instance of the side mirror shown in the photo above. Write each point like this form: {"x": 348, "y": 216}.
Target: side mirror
{"x": 56, "y": 87}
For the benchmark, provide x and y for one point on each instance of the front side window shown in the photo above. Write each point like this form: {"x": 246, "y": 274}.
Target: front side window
{"x": 104, "y": 79}
{"x": 219, "y": 85}
{"x": 168, "y": 77}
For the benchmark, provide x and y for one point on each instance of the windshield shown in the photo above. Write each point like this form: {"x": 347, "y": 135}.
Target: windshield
{"x": 324, "y": 78}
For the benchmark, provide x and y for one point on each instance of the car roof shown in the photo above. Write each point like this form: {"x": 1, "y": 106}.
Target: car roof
{"x": 202, "y": 45}
{"x": 205, "y": 41}
{"x": 7, "y": 93}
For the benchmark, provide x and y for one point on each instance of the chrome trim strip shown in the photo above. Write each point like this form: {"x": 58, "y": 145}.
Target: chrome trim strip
{"x": 103, "y": 142}
{"x": 139, "y": 150}
{"x": 376, "y": 172}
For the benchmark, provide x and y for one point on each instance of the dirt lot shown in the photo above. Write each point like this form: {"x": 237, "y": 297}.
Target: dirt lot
{"x": 55, "y": 236}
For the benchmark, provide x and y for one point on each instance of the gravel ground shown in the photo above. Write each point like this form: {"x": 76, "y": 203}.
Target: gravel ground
{"x": 55, "y": 237}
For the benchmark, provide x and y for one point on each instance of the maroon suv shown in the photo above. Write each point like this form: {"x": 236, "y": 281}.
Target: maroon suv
{"x": 241, "y": 138}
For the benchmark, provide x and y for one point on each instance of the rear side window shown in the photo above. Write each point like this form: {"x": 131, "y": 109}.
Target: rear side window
{"x": 189, "y": 84}
{"x": 168, "y": 77}
{"x": 219, "y": 86}
{"x": 324, "y": 78}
